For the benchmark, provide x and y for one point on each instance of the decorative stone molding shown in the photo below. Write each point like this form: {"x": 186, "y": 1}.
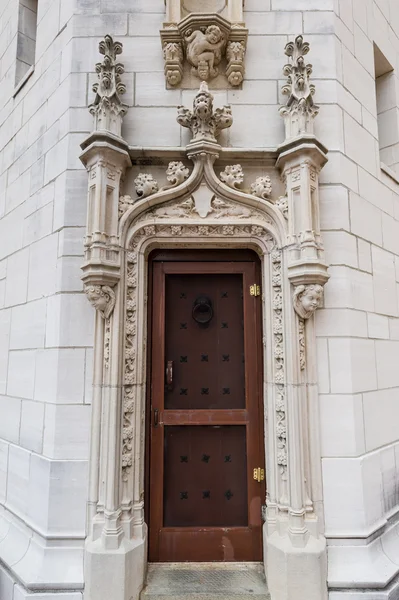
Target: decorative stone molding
{"x": 262, "y": 187}
{"x": 307, "y": 298}
{"x": 107, "y": 108}
{"x": 204, "y": 122}
{"x": 206, "y": 41}
{"x": 145, "y": 185}
{"x": 102, "y": 298}
{"x": 173, "y": 57}
{"x": 299, "y": 110}
{"x": 233, "y": 176}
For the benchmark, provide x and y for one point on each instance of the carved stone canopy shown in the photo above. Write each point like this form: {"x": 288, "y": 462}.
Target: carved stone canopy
{"x": 206, "y": 41}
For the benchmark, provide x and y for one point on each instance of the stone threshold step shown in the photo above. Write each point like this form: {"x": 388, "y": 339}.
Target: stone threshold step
{"x": 205, "y": 581}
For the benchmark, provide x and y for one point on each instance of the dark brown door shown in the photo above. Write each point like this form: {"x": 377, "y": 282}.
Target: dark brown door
{"x": 206, "y": 430}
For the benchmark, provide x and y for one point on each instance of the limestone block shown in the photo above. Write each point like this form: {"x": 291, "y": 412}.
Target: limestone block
{"x": 352, "y": 365}
{"x": 387, "y": 353}
{"x": 67, "y": 431}
{"x": 47, "y": 28}
{"x": 150, "y": 91}
{"x": 43, "y": 267}
{"x": 38, "y": 224}
{"x": 341, "y": 322}
{"x": 56, "y": 160}
{"x": 88, "y": 376}
{"x": 28, "y": 325}
{"x": 70, "y": 200}
{"x": 32, "y": 420}
{"x": 348, "y": 102}
{"x": 334, "y": 207}
{"x": 5, "y": 321}
{"x": 37, "y": 123}
{"x": 360, "y": 14}
{"x": 69, "y": 274}
{"x": 340, "y": 248}
{"x": 359, "y": 81}
{"x": 70, "y": 241}
{"x": 323, "y": 374}
{"x": 318, "y": 22}
{"x": 378, "y": 327}
{"x": 262, "y": 130}
{"x": 257, "y": 5}
{"x": 145, "y": 24}
{"x": 21, "y": 594}
{"x": 360, "y": 145}
{"x": 18, "y": 191}
{"x": 60, "y": 487}
{"x": 364, "y": 49}
{"x": 18, "y": 480}
{"x": 151, "y": 127}
{"x": 302, "y": 5}
{"x": 11, "y": 419}
{"x": 385, "y": 293}
{"x": 60, "y": 376}
{"x": 341, "y": 423}
{"x": 339, "y": 163}
{"x": 37, "y": 175}
{"x": 369, "y": 122}
{"x": 114, "y": 24}
{"x": 3, "y": 470}
{"x": 365, "y": 219}
{"x": 274, "y": 23}
{"x": 140, "y": 6}
{"x": 6, "y": 585}
{"x": 352, "y": 506}
{"x": 21, "y": 373}
{"x": 375, "y": 192}
{"x": 349, "y": 288}
{"x": 253, "y": 92}
{"x": 263, "y": 58}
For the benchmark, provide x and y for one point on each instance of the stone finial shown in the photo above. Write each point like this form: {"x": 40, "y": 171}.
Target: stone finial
{"x": 307, "y": 298}
{"x": 299, "y": 110}
{"x": 205, "y": 123}
{"x": 102, "y": 298}
{"x": 107, "y": 108}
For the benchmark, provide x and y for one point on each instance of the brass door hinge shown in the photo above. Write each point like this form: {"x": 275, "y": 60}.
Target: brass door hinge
{"x": 254, "y": 290}
{"x": 259, "y": 474}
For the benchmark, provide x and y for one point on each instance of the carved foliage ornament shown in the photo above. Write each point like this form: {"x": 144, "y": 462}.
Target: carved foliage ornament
{"x": 102, "y": 298}
{"x": 299, "y": 110}
{"x": 233, "y": 176}
{"x": 146, "y": 185}
{"x": 107, "y": 108}
{"x": 204, "y": 122}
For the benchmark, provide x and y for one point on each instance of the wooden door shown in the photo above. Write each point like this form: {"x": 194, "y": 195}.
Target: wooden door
{"x": 206, "y": 430}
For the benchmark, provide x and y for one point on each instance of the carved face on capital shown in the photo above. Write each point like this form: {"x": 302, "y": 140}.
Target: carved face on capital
{"x": 203, "y": 106}
{"x": 307, "y": 299}
{"x": 101, "y": 298}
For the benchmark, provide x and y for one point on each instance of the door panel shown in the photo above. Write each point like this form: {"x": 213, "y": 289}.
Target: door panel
{"x": 206, "y": 426}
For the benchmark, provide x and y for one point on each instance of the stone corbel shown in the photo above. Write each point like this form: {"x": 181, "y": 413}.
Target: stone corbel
{"x": 307, "y": 299}
{"x": 206, "y": 41}
{"x": 102, "y": 298}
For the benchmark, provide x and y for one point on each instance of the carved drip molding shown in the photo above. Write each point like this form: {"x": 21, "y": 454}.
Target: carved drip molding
{"x": 206, "y": 41}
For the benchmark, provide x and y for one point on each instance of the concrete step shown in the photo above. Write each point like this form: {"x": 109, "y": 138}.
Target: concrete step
{"x": 205, "y": 581}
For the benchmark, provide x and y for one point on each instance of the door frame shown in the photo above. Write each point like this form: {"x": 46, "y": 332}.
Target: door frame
{"x": 197, "y": 263}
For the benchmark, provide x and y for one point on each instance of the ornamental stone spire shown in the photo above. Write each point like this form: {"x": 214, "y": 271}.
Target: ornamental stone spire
{"x": 299, "y": 110}
{"x": 108, "y": 109}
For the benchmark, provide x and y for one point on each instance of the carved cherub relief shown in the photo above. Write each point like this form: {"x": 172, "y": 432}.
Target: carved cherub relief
{"x": 307, "y": 298}
{"x": 204, "y": 51}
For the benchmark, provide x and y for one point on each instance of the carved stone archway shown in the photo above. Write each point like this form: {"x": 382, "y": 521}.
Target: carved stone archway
{"x": 198, "y": 209}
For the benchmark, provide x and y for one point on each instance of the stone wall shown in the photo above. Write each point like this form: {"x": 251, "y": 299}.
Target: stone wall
{"x": 46, "y": 329}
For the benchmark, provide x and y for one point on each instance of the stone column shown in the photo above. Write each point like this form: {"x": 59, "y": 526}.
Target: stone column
{"x": 295, "y": 546}
{"x": 109, "y": 547}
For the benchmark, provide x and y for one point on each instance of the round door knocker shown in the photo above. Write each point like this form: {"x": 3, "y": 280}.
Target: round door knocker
{"x": 202, "y": 310}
